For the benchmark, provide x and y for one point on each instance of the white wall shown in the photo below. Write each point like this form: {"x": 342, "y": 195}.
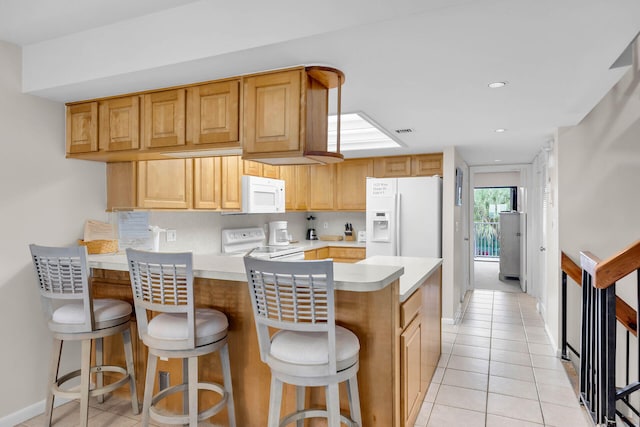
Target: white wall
{"x": 497, "y": 179}
{"x": 45, "y": 200}
{"x": 598, "y": 174}
{"x": 454, "y": 220}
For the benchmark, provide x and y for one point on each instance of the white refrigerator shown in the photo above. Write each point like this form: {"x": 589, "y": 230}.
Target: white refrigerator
{"x": 404, "y": 216}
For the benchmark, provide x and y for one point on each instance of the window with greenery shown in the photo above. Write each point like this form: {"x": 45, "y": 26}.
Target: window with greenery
{"x": 488, "y": 203}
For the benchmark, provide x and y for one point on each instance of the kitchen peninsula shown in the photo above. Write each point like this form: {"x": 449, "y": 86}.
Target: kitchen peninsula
{"x": 393, "y": 305}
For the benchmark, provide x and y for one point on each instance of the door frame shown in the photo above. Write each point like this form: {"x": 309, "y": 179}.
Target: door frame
{"x": 529, "y": 217}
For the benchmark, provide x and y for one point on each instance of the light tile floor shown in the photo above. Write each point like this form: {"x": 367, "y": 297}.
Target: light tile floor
{"x": 498, "y": 369}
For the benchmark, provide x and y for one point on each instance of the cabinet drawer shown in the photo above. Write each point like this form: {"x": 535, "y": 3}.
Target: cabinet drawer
{"x": 410, "y": 308}
{"x": 352, "y": 253}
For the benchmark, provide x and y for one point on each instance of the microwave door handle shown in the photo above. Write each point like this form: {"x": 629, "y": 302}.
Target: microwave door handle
{"x": 397, "y": 225}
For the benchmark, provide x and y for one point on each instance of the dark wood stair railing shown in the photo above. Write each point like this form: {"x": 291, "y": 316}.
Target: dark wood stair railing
{"x": 601, "y": 308}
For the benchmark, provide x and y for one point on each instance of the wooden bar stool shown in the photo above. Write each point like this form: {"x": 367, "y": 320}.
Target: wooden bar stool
{"x": 73, "y": 315}
{"x": 162, "y": 283}
{"x": 308, "y": 350}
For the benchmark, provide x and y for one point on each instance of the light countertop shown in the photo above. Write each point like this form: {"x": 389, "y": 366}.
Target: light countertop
{"x": 416, "y": 270}
{"x": 368, "y": 275}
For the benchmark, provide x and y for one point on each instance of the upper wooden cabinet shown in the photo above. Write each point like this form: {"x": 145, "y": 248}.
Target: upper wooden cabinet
{"x": 251, "y": 168}
{"x": 82, "y": 128}
{"x": 285, "y": 118}
{"x": 392, "y": 167}
{"x": 402, "y": 166}
{"x": 351, "y": 187}
{"x": 231, "y": 167}
{"x": 427, "y": 165}
{"x": 120, "y": 123}
{"x": 165, "y": 184}
{"x": 213, "y": 114}
{"x": 164, "y": 119}
{"x": 322, "y": 188}
{"x": 270, "y": 171}
{"x": 207, "y": 183}
{"x": 296, "y": 187}
{"x": 272, "y": 113}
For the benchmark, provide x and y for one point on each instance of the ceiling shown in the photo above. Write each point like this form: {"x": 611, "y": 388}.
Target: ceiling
{"x": 419, "y": 64}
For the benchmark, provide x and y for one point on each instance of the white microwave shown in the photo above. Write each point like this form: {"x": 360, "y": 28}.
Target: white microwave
{"x": 262, "y": 195}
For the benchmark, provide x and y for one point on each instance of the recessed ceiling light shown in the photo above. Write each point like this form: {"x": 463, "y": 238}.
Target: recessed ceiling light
{"x": 497, "y": 161}
{"x": 496, "y": 85}
{"x": 500, "y": 130}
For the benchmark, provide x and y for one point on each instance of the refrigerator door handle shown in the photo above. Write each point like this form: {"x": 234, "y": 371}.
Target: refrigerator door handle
{"x": 397, "y": 225}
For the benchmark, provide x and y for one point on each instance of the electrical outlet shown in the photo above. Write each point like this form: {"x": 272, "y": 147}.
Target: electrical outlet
{"x": 171, "y": 235}
{"x": 325, "y": 225}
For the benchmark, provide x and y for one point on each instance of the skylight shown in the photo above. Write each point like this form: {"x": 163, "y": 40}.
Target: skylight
{"x": 358, "y": 132}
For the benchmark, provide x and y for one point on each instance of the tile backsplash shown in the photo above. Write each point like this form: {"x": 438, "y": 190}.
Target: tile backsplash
{"x": 200, "y": 231}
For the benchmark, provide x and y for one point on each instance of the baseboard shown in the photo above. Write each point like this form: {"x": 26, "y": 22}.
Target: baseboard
{"x": 29, "y": 412}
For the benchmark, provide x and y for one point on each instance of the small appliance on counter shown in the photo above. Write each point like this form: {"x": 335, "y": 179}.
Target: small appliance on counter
{"x": 311, "y": 231}
{"x": 278, "y": 233}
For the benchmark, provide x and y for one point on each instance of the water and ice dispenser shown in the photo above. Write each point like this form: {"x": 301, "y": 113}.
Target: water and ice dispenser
{"x": 381, "y": 227}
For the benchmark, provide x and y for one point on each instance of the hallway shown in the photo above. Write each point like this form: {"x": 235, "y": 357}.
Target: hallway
{"x": 497, "y": 369}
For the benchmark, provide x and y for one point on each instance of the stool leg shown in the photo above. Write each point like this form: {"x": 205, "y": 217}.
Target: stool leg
{"x": 185, "y": 380}
{"x": 152, "y": 362}
{"x": 354, "y": 400}
{"x": 228, "y": 386}
{"x": 128, "y": 352}
{"x": 54, "y": 365}
{"x": 193, "y": 391}
{"x": 85, "y": 377}
{"x": 300, "y": 403}
{"x": 333, "y": 405}
{"x": 275, "y": 402}
{"x": 99, "y": 374}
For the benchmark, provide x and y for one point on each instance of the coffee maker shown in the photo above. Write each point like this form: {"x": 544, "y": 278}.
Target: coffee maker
{"x": 311, "y": 231}
{"x": 278, "y": 233}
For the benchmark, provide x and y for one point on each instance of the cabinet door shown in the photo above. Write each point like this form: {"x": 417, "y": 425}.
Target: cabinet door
{"x": 427, "y": 165}
{"x": 351, "y": 184}
{"x": 272, "y": 112}
{"x": 207, "y": 183}
{"x": 296, "y": 181}
{"x": 251, "y": 168}
{"x": 392, "y": 167}
{"x": 120, "y": 124}
{"x": 321, "y": 187}
{"x": 231, "y": 183}
{"x": 410, "y": 379}
{"x": 310, "y": 255}
{"x": 121, "y": 185}
{"x": 165, "y": 183}
{"x": 270, "y": 171}
{"x": 82, "y": 128}
{"x": 214, "y": 113}
{"x": 164, "y": 118}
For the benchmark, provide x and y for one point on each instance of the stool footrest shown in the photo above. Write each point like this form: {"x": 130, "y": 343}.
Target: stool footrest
{"x": 96, "y": 391}
{"x": 313, "y": 413}
{"x": 170, "y": 418}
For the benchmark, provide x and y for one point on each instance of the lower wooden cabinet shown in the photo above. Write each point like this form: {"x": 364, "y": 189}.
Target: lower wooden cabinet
{"x": 338, "y": 254}
{"x": 410, "y": 360}
{"x": 420, "y": 344}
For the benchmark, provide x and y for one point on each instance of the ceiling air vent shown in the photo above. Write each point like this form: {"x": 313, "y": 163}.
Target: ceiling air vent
{"x": 401, "y": 131}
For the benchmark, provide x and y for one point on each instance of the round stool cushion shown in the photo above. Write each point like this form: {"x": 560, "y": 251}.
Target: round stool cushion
{"x": 311, "y": 348}
{"x": 210, "y": 323}
{"x": 103, "y": 310}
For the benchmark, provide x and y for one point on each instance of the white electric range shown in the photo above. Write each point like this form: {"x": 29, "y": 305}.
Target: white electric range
{"x": 242, "y": 241}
